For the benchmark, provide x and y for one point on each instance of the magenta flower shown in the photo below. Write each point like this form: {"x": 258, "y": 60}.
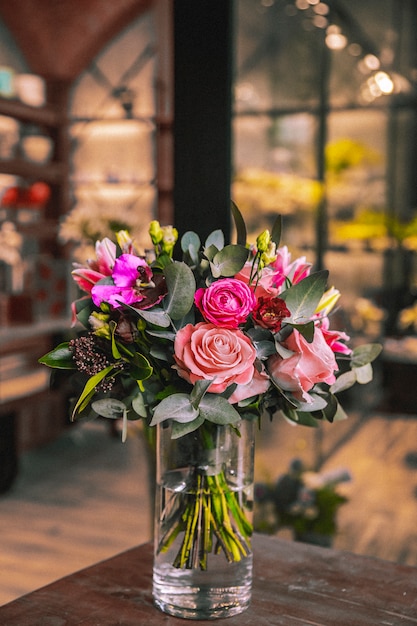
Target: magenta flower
{"x": 131, "y": 276}
{"x": 334, "y": 338}
{"x": 226, "y": 303}
{"x": 97, "y": 269}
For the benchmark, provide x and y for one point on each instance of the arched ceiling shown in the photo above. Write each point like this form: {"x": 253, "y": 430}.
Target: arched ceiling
{"x": 59, "y": 38}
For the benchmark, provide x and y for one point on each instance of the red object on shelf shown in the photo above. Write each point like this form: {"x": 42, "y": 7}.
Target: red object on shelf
{"x": 36, "y": 195}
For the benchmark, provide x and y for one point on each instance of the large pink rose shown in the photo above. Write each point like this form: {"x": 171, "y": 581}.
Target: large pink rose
{"x": 206, "y": 352}
{"x": 309, "y": 364}
{"x": 227, "y": 302}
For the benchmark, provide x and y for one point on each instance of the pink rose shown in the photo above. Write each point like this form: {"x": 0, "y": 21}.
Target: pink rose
{"x": 206, "y": 352}
{"x": 259, "y": 384}
{"x": 227, "y": 302}
{"x": 309, "y": 364}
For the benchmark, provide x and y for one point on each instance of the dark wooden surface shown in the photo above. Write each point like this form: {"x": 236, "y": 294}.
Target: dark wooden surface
{"x": 294, "y": 585}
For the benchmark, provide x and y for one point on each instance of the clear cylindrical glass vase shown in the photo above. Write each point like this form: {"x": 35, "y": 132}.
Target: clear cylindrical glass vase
{"x": 203, "y": 521}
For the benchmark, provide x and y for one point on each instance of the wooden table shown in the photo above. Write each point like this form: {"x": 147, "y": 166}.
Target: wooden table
{"x": 295, "y": 584}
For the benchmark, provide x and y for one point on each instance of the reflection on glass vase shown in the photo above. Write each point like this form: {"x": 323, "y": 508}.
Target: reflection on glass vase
{"x": 203, "y": 521}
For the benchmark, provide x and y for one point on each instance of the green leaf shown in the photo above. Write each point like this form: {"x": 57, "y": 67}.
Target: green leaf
{"x": 216, "y": 238}
{"x": 139, "y": 406}
{"x": 218, "y": 410}
{"x": 365, "y": 354}
{"x": 199, "y": 389}
{"x": 162, "y": 334}
{"x": 276, "y": 231}
{"x": 229, "y": 261}
{"x": 177, "y": 406}
{"x": 306, "y": 419}
{"x": 60, "y": 358}
{"x": 90, "y": 389}
{"x": 239, "y": 224}
{"x": 364, "y": 374}
{"x": 210, "y": 252}
{"x": 109, "y": 407}
{"x": 190, "y": 242}
{"x": 156, "y": 316}
{"x": 317, "y": 403}
{"x": 302, "y": 298}
{"x": 343, "y": 382}
{"x": 179, "y": 429}
{"x": 181, "y": 288}
{"x": 140, "y": 368}
{"x": 114, "y": 349}
{"x": 83, "y": 309}
{"x": 306, "y": 330}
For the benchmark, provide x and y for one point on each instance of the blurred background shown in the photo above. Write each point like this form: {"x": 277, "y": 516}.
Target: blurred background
{"x": 113, "y": 114}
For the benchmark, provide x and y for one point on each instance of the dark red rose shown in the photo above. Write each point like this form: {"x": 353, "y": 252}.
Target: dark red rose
{"x": 270, "y": 312}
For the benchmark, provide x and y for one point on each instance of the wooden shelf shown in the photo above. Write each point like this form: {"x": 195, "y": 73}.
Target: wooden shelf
{"x": 49, "y": 172}
{"x": 10, "y": 336}
{"x": 43, "y": 116}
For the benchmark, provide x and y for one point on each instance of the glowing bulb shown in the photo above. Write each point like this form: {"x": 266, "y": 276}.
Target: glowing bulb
{"x": 371, "y": 62}
{"x": 384, "y": 82}
{"x": 336, "y": 41}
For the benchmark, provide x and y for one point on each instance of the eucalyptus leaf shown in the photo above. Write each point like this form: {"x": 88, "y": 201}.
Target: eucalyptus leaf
{"x": 179, "y": 429}
{"x": 303, "y": 297}
{"x": 218, "y": 410}
{"x": 264, "y": 349}
{"x": 198, "y": 391}
{"x": 139, "y": 406}
{"x": 317, "y": 403}
{"x": 343, "y": 382}
{"x": 304, "y": 418}
{"x": 364, "y": 374}
{"x": 177, "y": 406}
{"x": 229, "y": 261}
{"x": 109, "y": 407}
{"x": 215, "y": 238}
{"x": 189, "y": 240}
{"x": 365, "y": 354}
{"x": 60, "y": 357}
{"x": 161, "y": 334}
{"x": 155, "y": 316}
{"x": 258, "y": 334}
{"x": 210, "y": 252}
{"x": 239, "y": 224}
{"x": 181, "y": 288}
{"x": 160, "y": 353}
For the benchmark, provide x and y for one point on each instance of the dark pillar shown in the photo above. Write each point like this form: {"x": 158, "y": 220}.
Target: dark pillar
{"x": 202, "y": 115}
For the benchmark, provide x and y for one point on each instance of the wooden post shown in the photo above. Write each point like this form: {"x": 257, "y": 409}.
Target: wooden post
{"x": 202, "y": 115}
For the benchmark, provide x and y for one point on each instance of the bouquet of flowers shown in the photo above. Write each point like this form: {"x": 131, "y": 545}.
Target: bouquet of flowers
{"x": 226, "y": 334}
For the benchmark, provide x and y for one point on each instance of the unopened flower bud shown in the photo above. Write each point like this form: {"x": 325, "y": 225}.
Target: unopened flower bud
{"x": 155, "y": 232}
{"x": 270, "y": 255}
{"x": 263, "y": 240}
{"x": 124, "y": 240}
{"x": 170, "y": 236}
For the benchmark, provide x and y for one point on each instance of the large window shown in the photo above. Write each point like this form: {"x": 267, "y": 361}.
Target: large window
{"x": 324, "y": 133}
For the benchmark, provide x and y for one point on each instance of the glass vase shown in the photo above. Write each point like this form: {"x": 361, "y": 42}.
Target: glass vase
{"x": 203, "y": 521}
